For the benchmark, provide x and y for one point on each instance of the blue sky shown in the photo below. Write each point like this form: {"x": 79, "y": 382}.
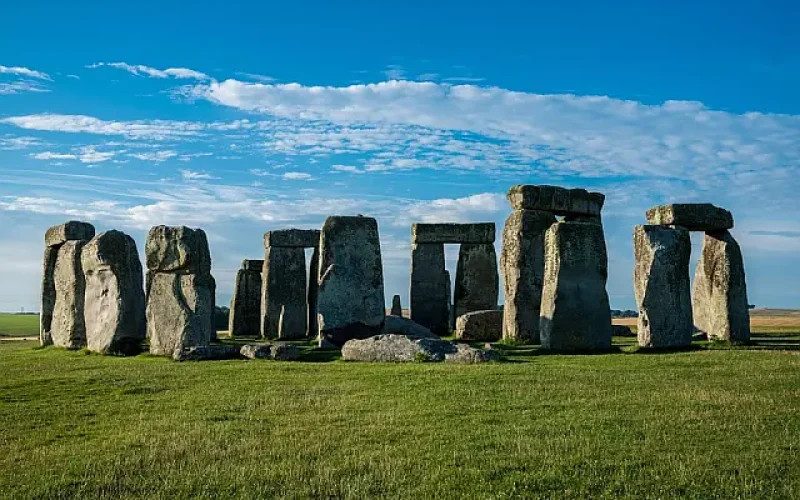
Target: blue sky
{"x": 246, "y": 117}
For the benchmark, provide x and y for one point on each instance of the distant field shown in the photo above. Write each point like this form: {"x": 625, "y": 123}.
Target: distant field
{"x": 762, "y": 321}
{"x": 19, "y": 325}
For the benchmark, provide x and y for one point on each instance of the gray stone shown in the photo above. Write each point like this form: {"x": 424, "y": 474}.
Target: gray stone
{"x": 67, "y": 327}
{"x": 398, "y": 325}
{"x": 284, "y": 352}
{"x": 256, "y": 351}
{"x": 467, "y": 354}
{"x": 622, "y": 331}
{"x": 297, "y": 238}
{"x": 351, "y": 300}
{"x": 575, "y": 313}
{"x": 720, "y": 290}
{"x": 245, "y": 312}
{"x": 397, "y": 308}
{"x": 661, "y": 286}
{"x": 207, "y": 353}
{"x": 557, "y": 200}
{"x": 178, "y": 249}
{"x": 477, "y": 280}
{"x": 401, "y": 348}
{"x": 451, "y": 317}
{"x": 212, "y": 288}
{"x": 179, "y": 312}
{"x": 484, "y": 326}
{"x": 283, "y": 303}
{"x": 429, "y": 293}
{"x": 114, "y": 306}
{"x": 48, "y": 296}
{"x": 481, "y": 232}
{"x": 522, "y": 266}
{"x": 72, "y": 230}
{"x": 692, "y": 216}
{"x": 312, "y": 330}
{"x": 255, "y": 265}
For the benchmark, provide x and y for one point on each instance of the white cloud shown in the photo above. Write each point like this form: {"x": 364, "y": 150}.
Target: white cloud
{"x": 297, "y": 176}
{"x": 347, "y": 168}
{"x": 153, "y": 129}
{"x": 190, "y": 175}
{"x": 20, "y": 71}
{"x": 20, "y": 86}
{"x": 256, "y": 77}
{"x": 141, "y": 70}
{"x": 86, "y": 154}
{"x": 155, "y": 156}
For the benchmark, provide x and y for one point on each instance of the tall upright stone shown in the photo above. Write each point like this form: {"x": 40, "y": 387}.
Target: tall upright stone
{"x": 67, "y": 327}
{"x": 477, "y": 281}
{"x": 114, "y": 299}
{"x": 284, "y": 292}
{"x": 397, "y": 308}
{"x": 522, "y": 265}
{"x": 661, "y": 286}
{"x": 351, "y": 300}
{"x": 245, "y": 312}
{"x": 720, "y": 291}
{"x": 313, "y": 291}
{"x": 575, "y": 312}
{"x": 180, "y": 290}
{"x": 429, "y": 294}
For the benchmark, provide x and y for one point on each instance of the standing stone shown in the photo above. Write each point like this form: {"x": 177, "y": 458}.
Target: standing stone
{"x": 720, "y": 292}
{"x": 397, "y": 308}
{"x": 451, "y": 317}
{"x": 67, "y": 327}
{"x": 114, "y": 300}
{"x": 575, "y": 313}
{"x": 245, "y": 312}
{"x": 313, "y": 290}
{"x": 661, "y": 285}
{"x": 284, "y": 290}
{"x": 180, "y": 290}
{"x": 477, "y": 279}
{"x": 429, "y": 294}
{"x": 522, "y": 265}
{"x": 351, "y": 300}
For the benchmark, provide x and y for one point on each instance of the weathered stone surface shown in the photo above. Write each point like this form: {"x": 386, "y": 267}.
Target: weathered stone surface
{"x": 451, "y": 317}
{"x": 284, "y": 352}
{"x": 661, "y": 286}
{"x": 522, "y": 266}
{"x": 256, "y": 351}
{"x": 429, "y": 293}
{"x": 245, "y": 312}
{"x": 484, "y": 326}
{"x": 67, "y": 327}
{"x": 402, "y": 348}
{"x": 575, "y": 314}
{"x": 72, "y": 230}
{"x": 692, "y": 216}
{"x": 397, "y": 308}
{"x": 114, "y": 299}
{"x": 283, "y": 304}
{"x": 480, "y": 232}
{"x": 720, "y": 290}
{"x": 207, "y": 353}
{"x": 255, "y": 265}
{"x": 48, "y": 297}
{"x": 313, "y": 291}
{"x": 398, "y": 325}
{"x": 557, "y": 200}
{"x": 477, "y": 280}
{"x": 351, "y": 300}
{"x": 178, "y": 249}
{"x": 298, "y": 238}
{"x": 179, "y": 312}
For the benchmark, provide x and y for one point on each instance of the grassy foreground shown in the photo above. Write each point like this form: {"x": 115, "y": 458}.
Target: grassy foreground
{"x": 699, "y": 424}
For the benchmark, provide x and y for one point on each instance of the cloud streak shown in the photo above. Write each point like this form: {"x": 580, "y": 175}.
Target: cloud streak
{"x": 142, "y": 70}
{"x": 26, "y": 72}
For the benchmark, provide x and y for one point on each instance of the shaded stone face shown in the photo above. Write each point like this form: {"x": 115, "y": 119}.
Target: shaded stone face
{"x": 313, "y": 290}
{"x": 67, "y": 327}
{"x": 430, "y": 293}
{"x": 575, "y": 313}
{"x": 254, "y": 265}
{"x": 453, "y": 233}
{"x": 484, "y": 326}
{"x": 720, "y": 291}
{"x": 477, "y": 279}
{"x": 72, "y": 230}
{"x": 48, "y": 301}
{"x": 351, "y": 298}
{"x": 300, "y": 238}
{"x": 178, "y": 310}
{"x": 177, "y": 249}
{"x": 661, "y": 286}
{"x": 397, "y": 308}
{"x": 245, "y": 312}
{"x": 557, "y": 200}
{"x": 522, "y": 266}
{"x": 114, "y": 300}
{"x": 692, "y": 216}
{"x": 283, "y": 303}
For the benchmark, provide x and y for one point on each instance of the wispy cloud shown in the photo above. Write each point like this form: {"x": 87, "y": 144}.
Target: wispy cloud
{"x": 20, "y": 86}
{"x": 190, "y": 175}
{"x": 142, "y": 70}
{"x": 21, "y": 71}
{"x": 297, "y": 176}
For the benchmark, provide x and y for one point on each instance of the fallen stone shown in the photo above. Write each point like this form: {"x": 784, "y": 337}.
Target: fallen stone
{"x": 661, "y": 286}
{"x": 350, "y": 302}
{"x": 284, "y": 300}
{"x": 179, "y": 308}
{"x": 398, "y": 325}
{"x": 477, "y": 281}
{"x": 72, "y": 230}
{"x": 295, "y": 238}
{"x": 720, "y": 290}
{"x": 397, "y": 309}
{"x": 256, "y": 351}
{"x": 692, "y": 216}
{"x": 178, "y": 249}
{"x": 430, "y": 288}
{"x": 485, "y": 326}
{"x": 401, "y": 348}
{"x": 114, "y": 300}
{"x": 468, "y": 354}
{"x": 284, "y": 352}
{"x": 575, "y": 313}
{"x": 522, "y": 266}
{"x": 207, "y": 353}
{"x": 622, "y": 331}
{"x": 67, "y": 327}
{"x": 482, "y": 232}
{"x": 557, "y": 200}
{"x": 245, "y": 312}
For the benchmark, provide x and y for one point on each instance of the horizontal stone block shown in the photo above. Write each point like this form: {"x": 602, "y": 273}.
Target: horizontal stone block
{"x": 481, "y": 232}
{"x": 558, "y": 200}
{"x": 692, "y": 216}
{"x": 486, "y": 326}
{"x": 253, "y": 265}
{"x": 305, "y": 238}
{"x": 72, "y": 230}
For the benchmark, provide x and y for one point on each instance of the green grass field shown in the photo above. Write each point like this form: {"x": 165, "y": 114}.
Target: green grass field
{"x": 19, "y": 325}
{"x": 697, "y": 424}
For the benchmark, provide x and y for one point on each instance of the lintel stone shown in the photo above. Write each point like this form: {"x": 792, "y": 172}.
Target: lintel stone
{"x": 253, "y": 265}
{"x": 473, "y": 233}
{"x": 558, "y": 200}
{"x": 692, "y": 216}
{"x": 304, "y": 238}
{"x": 71, "y": 230}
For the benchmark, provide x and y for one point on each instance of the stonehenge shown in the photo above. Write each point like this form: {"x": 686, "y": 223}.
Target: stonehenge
{"x": 245, "y": 310}
{"x": 485, "y": 326}
{"x": 397, "y": 308}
